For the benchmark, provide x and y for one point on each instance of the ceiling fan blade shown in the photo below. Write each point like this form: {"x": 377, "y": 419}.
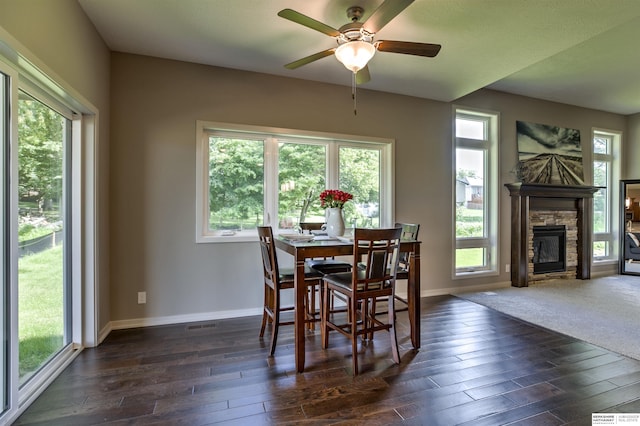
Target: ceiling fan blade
{"x": 385, "y": 13}
{"x": 304, "y": 61}
{"x": 301, "y": 19}
{"x": 409, "y": 48}
{"x": 363, "y": 75}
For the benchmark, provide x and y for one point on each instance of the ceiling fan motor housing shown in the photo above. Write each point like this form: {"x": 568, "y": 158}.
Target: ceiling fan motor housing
{"x": 352, "y": 32}
{"x": 354, "y": 13}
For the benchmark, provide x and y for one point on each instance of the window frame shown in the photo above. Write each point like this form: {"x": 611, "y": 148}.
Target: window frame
{"x": 612, "y": 157}
{"x": 272, "y": 136}
{"x": 489, "y": 145}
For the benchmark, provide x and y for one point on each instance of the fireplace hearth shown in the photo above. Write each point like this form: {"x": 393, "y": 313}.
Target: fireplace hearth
{"x": 541, "y": 205}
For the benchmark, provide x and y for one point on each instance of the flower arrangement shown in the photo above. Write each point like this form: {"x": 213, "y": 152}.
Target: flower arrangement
{"x": 334, "y": 198}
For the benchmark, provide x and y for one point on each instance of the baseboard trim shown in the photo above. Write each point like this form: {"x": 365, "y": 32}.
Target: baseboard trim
{"x": 104, "y": 332}
{"x": 179, "y": 319}
{"x": 210, "y": 316}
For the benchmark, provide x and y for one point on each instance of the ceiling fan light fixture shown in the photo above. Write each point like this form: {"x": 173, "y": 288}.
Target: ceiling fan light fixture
{"x": 355, "y": 55}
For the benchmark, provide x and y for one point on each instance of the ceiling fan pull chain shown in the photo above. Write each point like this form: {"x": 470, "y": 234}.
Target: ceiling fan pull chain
{"x": 353, "y": 94}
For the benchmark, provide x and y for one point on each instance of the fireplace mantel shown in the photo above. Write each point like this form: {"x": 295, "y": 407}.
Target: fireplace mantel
{"x": 541, "y": 190}
{"x": 528, "y": 196}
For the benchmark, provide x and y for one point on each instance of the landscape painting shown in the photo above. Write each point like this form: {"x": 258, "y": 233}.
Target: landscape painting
{"x": 549, "y": 154}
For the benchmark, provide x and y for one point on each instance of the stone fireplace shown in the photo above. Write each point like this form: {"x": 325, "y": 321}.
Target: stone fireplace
{"x": 561, "y": 217}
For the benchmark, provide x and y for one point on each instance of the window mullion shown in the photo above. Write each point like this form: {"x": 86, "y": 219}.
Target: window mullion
{"x": 271, "y": 181}
{"x": 333, "y": 165}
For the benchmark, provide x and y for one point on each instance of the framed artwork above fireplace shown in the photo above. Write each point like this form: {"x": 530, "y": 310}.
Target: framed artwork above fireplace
{"x": 549, "y": 154}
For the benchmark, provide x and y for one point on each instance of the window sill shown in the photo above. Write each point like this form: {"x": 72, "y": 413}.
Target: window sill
{"x": 475, "y": 274}
{"x": 237, "y": 237}
{"x": 605, "y": 261}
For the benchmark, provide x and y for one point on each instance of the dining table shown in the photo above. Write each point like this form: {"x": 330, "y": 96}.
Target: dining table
{"x": 321, "y": 247}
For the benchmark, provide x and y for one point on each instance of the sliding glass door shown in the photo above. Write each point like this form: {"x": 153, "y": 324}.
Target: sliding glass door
{"x": 44, "y": 136}
{"x": 47, "y": 232}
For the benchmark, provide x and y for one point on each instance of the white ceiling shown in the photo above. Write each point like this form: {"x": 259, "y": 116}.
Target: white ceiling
{"x": 579, "y": 52}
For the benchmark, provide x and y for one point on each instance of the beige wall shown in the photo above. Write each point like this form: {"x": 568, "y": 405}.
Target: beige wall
{"x": 58, "y": 38}
{"x": 155, "y": 105}
{"x": 631, "y": 153}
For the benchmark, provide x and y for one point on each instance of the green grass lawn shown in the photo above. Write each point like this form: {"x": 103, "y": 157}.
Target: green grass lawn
{"x": 40, "y": 308}
{"x": 469, "y": 224}
{"x": 466, "y": 258}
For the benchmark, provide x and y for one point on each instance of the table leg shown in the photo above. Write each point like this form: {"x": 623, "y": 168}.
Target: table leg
{"x": 299, "y": 327}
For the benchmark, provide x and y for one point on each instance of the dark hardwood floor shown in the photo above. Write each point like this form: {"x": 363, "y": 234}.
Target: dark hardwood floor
{"x": 476, "y": 367}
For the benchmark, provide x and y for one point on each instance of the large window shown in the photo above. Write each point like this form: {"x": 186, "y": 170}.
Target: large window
{"x": 247, "y": 176}
{"x": 606, "y": 172}
{"x": 475, "y": 193}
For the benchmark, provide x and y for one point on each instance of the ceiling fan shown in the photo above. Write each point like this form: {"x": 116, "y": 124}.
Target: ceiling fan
{"x": 356, "y": 45}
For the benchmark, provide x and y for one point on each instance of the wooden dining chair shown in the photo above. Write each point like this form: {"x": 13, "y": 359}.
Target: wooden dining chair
{"x": 378, "y": 252}
{"x": 277, "y": 280}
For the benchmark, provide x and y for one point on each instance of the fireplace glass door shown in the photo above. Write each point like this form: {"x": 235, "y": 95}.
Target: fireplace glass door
{"x": 549, "y": 249}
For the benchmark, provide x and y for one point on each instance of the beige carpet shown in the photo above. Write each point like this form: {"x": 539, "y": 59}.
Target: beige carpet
{"x": 603, "y": 311}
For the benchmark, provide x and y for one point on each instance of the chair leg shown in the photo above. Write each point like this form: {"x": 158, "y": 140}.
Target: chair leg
{"x": 392, "y": 332}
{"x": 354, "y": 335}
{"x": 265, "y": 315}
{"x": 312, "y": 307}
{"x": 276, "y": 321}
{"x": 312, "y": 313}
{"x": 373, "y": 315}
{"x": 320, "y": 302}
{"x": 324, "y": 315}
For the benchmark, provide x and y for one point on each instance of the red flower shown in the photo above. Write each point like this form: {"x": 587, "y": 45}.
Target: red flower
{"x": 334, "y": 198}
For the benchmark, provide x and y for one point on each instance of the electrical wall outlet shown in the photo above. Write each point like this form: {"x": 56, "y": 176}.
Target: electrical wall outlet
{"x": 507, "y": 267}
{"x": 142, "y": 297}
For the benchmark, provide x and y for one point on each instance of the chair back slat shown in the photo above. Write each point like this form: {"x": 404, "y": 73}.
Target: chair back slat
{"x": 378, "y": 264}
{"x": 266, "y": 257}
